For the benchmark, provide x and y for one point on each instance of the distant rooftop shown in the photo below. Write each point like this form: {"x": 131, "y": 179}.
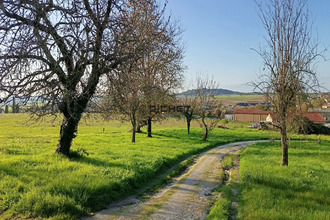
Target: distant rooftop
{"x": 314, "y": 116}
{"x": 251, "y": 111}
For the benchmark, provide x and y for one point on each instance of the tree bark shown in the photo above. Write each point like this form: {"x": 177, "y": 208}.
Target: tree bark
{"x": 133, "y": 133}
{"x": 206, "y": 130}
{"x": 285, "y": 155}
{"x": 206, "y": 133}
{"x": 188, "y": 125}
{"x": 138, "y": 128}
{"x": 72, "y": 114}
{"x": 149, "y": 127}
{"x": 67, "y": 133}
{"x": 14, "y": 106}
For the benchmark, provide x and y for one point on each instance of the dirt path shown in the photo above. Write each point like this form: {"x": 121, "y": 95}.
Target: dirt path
{"x": 187, "y": 198}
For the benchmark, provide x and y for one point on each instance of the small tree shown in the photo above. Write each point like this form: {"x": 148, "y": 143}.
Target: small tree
{"x": 189, "y": 113}
{"x": 161, "y": 65}
{"x": 207, "y": 107}
{"x": 189, "y": 98}
{"x": 155, "y": 73}
{"x": 125, "y": 99}
{"x": 287, "y": 57}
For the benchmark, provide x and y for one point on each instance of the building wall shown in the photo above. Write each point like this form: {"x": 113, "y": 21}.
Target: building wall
{"x": 250, "y": 117}
{"x": 229, "y": 117}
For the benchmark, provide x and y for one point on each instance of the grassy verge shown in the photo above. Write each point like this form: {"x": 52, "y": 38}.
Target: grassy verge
{"x": 37, "y": 183}
{"x": 227, "y": 194}
{"x": 300, "y": 191}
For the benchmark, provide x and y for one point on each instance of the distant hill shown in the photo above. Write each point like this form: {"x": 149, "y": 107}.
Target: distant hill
{"x": 216, "y": 92}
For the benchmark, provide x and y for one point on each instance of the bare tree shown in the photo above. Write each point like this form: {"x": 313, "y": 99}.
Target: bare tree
{"x": 58, "y": 51}
{"x": 155, "y": 73}
{"x": 124, "y": 99}
{"x": 288, "y": 58}
{"x": 189, "y": 112}
{"x": 161, "y": 65}
{"x": 189, "y": 98}
{"x": 207, "y": 107}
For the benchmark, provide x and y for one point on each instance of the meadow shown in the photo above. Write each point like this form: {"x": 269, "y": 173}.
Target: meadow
{"x": 37, "y": 183}
{"x": 234, "y": 99}
{"x": 266, "y": 190}
{"x": 299, "y": 191}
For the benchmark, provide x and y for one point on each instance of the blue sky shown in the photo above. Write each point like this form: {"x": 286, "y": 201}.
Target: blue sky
{"x": 219, "y": 35}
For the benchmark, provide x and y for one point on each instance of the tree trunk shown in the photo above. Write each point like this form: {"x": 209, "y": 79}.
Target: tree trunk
{"x": 133, "y": 122}
{"x": 67, "y": 133}
{"x": 149, "y": 127}
{"x": 206, "y": 133}
{"x": 72, "y": 114}
{"x": 206, "y": 130}
{"x": 133, "y": 133}
{"x": 138, "y": 128}
{"x": 14, "y": 106}
{"x": 188, "y": 125}
{"x": 285, "y": 154}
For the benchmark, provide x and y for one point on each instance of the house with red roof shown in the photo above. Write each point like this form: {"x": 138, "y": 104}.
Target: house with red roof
{"x": 256, "y": 116}
{"x": 324, "y": 112}
{"x": 314, "y": 117}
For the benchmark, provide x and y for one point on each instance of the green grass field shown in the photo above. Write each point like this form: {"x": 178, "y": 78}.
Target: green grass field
{"x": 300, "y": 191}
{"x": 37, "y": 183}
{"x": 240, "y": 97}
{"x": 267, "y": 190}
{"x": 234, "y": 99}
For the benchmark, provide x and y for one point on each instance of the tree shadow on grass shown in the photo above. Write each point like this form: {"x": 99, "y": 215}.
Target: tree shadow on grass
{"x": 9, "y": 171}
{"x": 179, "y": 134}
{"x": 97, "y": 162}
{"x": 324, "y": 154}
{"x": 295, "y": 195}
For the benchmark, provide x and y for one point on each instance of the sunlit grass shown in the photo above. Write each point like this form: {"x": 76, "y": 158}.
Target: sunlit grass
{"x": 240, "y": 97}
{"x": 299, "y": 191}
{"x": 36, "y": 182}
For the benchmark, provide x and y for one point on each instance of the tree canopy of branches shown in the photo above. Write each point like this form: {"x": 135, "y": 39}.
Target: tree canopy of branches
{"x": 288, "y": 58}
{"x": 59, "y": 51}
{"x": 161, "y": 65}
{"x": 206, "y": 106}
{"x": 201, "y": 103}
{"x": 155, "y": 74}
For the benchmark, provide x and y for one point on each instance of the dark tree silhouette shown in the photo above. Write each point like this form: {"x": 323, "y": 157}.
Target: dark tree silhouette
{"x": 58, "y": 51}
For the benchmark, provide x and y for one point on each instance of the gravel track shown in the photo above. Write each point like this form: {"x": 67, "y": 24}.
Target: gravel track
{"x": 187, "y": 198}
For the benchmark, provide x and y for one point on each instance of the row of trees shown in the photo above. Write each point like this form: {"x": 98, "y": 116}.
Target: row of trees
{"x": 153, "y": 77}
{"x": 14, "y": 109}
{"x": 63, "y": 53}
{"x": 132, "y": 103}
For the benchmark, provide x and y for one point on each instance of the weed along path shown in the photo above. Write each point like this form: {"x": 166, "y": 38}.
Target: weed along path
{"x": 187, "y": 198}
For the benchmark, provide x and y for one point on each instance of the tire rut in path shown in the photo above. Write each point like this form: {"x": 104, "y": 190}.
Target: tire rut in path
{"x": 185, "y": 199}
